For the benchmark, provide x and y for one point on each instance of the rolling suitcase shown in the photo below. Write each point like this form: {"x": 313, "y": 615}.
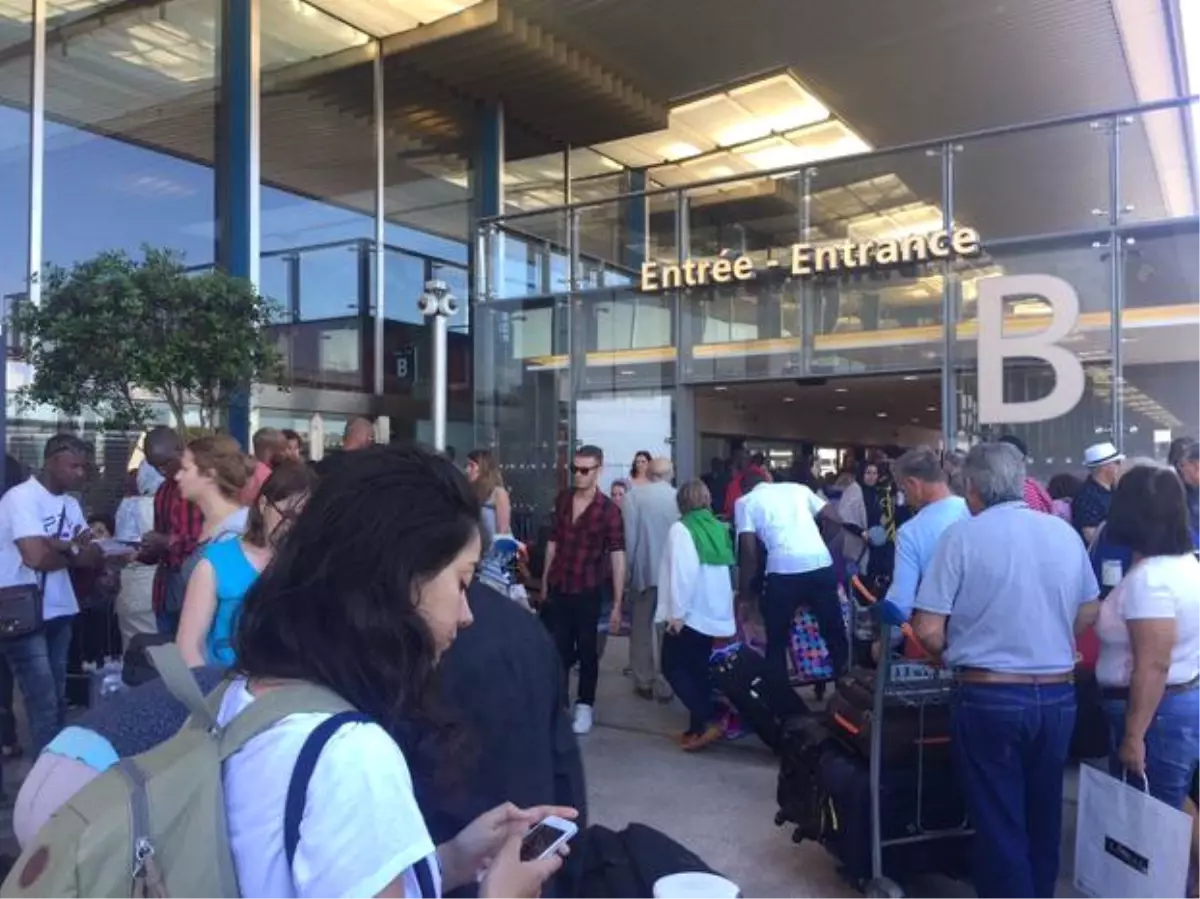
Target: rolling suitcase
{"x": 844, "y": 816}
{"x": 908, "y": 728}
{"x": 740, "y": 674}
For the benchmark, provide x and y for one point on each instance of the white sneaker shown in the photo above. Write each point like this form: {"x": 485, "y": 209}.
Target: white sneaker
{"x": 583, "y": 718}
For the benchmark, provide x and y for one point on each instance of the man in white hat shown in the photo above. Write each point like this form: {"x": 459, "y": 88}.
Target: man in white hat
{"x": 1089, "y": 509}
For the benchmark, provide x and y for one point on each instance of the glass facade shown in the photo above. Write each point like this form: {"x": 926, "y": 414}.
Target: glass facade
{"x": 567, "y": 336}
{"x": 114, "y": 135}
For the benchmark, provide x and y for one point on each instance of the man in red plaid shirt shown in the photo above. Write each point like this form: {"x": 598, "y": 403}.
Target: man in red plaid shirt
{"x": 587, "y": 535}
{"x": 177, "y": 525}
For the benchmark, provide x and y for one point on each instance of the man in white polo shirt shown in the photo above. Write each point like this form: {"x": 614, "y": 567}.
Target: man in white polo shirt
{"x": 785, "y": 519}
{"x": 42, "y": 534}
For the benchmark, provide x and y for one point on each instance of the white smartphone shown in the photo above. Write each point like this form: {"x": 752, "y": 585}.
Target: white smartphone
{"x": 545, "y": 837}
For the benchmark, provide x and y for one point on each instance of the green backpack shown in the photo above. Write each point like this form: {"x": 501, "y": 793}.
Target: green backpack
{"x": 154, "y": 825}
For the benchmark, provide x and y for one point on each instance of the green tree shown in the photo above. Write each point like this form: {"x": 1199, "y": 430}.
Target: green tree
{"x": 113, "y": 333}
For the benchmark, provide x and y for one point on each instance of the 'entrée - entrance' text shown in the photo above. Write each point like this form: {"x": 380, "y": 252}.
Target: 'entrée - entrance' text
{"x": 817, "y": 259}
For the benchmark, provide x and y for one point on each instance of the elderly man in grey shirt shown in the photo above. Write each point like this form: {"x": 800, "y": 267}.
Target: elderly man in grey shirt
{"x": 1001, "y": 601}
{"x": 649, "y": 510}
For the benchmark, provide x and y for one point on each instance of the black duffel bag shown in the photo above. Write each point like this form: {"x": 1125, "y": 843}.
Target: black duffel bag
{"x": 626, "y": 865}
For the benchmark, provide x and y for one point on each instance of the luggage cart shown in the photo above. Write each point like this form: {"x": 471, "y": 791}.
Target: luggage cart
{"x": 917, "y": 685}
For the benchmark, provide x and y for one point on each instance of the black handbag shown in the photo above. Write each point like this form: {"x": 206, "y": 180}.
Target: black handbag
{"x": 21, "y": 605}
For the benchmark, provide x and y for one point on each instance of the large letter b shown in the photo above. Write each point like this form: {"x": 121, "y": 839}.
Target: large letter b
{"x": 994, "y": 347}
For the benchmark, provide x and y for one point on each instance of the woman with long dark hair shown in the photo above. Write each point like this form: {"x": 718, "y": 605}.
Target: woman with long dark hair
{"x": 362, "y": 599}
{"x": 639, "y": 470}
{"x": 485, "y": 477}
{"x": 229, "y": 568}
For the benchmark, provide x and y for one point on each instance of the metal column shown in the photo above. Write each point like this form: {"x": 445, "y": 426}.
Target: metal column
{"x": 633, "y": 249}
{"x": 685, "y": 439}
{"x": 950, "y": 289}
{"x": 577, "y": 331}
{"x": 486, "y": 265}
{"x": 1116, "y": 289}
{"x": 238, "y": 165}
{"x": 379, "y": 285}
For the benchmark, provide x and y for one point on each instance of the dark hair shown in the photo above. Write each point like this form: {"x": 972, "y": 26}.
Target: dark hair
{"x": 289, "y": 435}
{"x": 1179, "y": 449}
{"x": 1017, "y": 443}
{"x": 588, "y": 451}
{"x": 640, "y": 454}
{"x": 269, "y": 445}
{"x": 105, "y": 519}
{"x": 1149, "y": 513}
{"x": 288, "y": 479}
{"x": 1064, "y": 486}
{"x": 337, "y": 605}
{"x": 64, "y": 443}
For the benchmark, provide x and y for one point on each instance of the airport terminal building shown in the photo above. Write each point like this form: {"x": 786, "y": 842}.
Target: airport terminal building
{"x": 670, "y": 225}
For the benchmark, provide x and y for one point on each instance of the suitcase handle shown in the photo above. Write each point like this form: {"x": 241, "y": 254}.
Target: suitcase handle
{"x": 905, "y": 629}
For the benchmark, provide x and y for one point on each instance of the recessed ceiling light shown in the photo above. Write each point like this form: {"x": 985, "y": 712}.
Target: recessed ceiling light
{"x": 839, "y": 409}
{"x": 841, "y": 390}
{"x": 789, "y": 399}
{"x": 915, "y": 421}
{"x": 931, "y": 408}
{"x": 627, "y": 372}
{"x": 911, "y": 377}
{"x": 881, "y": 415}
{"x": 720, "y": 388}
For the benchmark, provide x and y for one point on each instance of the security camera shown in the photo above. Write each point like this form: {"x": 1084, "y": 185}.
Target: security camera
{"x": 437, "y": 300}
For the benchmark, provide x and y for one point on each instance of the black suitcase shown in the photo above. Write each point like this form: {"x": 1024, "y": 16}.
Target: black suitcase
{"x": 844, "y": 817}
{"x": 908, "y": 729}
{"x": 740, "y": 674}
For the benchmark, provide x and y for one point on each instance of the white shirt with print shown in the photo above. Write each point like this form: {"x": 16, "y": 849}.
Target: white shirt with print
{"x": 30, "y": 510}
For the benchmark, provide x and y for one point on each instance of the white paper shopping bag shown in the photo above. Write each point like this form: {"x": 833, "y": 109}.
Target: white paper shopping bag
{"x": 1127, "y": 843}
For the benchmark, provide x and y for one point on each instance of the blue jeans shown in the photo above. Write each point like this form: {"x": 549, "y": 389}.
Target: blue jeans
{"x": 1172, "y": 744}
{"x": 39, "y": 666}
{"x": 1010, "y": 747}
{"x": 685, "y": 658}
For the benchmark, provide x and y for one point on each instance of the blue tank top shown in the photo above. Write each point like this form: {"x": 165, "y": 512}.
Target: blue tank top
{"x": 234, "y": 574}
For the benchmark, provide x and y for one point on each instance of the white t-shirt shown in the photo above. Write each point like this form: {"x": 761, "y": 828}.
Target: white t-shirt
{"x": 361, "y": 827}
{"x": 783, "y": 517}
{"x": 1158, "y": 587}
{"x": 30, "y": 510}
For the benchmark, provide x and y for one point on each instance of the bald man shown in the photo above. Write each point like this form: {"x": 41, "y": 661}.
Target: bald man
{"x": 359, "y": 434}
{"x": 649, "y": 510}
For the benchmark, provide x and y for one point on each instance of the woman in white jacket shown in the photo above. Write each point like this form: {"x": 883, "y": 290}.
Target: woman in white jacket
{"x": 695, "y": 602}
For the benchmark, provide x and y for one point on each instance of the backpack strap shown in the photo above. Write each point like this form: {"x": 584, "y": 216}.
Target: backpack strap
{"x": 180, "y": 680}
{"x": 306, "y": 764}
{"x": 297, "y": 794}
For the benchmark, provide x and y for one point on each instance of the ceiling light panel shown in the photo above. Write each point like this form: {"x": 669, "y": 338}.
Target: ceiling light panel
{"x": 781, "y": 102}
{"x": 382, "y": 18}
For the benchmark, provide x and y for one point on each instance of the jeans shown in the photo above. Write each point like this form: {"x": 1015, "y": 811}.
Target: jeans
{"x": 573, "y": 618}
{"x": 39, "y": 666}
{"x": 1172, "y": 744}
{"x": 8, "y": 720}
{"x": 1010, "y": 744}
{"x": 685, "y": 666}
{"x": 783, "y": 595}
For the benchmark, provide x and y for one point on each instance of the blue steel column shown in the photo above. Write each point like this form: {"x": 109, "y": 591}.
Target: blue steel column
{"x": 950, "y": 306}
{"x": 238, "y": 164}
{"x": 487, "y": 252}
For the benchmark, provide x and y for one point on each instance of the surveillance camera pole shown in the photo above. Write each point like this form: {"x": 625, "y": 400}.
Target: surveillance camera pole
{"x": 437, "y": 304}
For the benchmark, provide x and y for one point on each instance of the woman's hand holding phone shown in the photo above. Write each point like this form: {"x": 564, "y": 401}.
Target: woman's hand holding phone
{"x": 509, "y": 876}
{"x": 480, "y": 845}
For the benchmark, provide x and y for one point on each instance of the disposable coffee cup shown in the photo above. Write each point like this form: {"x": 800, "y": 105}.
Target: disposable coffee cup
{"x": 695, "y": 885}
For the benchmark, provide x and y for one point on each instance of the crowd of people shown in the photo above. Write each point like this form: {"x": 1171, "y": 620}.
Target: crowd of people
{"x": 358, "y": 572}
{"x": 355, "y": 575}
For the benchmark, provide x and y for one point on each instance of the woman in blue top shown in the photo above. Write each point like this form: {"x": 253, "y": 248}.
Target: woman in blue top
{"x": 230, "y": 567}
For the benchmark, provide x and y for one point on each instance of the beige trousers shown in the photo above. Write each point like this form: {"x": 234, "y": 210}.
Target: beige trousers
{"x": 645, "y": 644}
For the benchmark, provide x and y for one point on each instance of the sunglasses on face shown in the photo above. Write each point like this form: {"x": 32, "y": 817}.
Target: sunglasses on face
{"x": 584, "y": 469}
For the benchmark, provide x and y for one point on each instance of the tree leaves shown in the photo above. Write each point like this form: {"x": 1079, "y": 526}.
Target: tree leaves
{"x": 112, "y": 329}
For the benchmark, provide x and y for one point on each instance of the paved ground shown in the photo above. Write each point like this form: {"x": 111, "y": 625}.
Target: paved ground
{"x": 719, "y": 803}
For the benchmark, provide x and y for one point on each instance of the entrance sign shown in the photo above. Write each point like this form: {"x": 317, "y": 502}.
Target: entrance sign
{"x": 816, "y": 259}
{"x": 994, "y": 347}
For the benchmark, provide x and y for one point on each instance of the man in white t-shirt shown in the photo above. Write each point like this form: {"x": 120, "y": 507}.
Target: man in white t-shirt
{"x": 43, "y": 533}
{"x": 785, "y": 519}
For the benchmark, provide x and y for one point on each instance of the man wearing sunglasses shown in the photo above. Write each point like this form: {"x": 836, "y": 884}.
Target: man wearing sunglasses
{"x": 587, "y": 535}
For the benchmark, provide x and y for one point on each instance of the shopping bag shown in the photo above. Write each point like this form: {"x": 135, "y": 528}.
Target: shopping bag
{"x": 1127, "y": 843}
